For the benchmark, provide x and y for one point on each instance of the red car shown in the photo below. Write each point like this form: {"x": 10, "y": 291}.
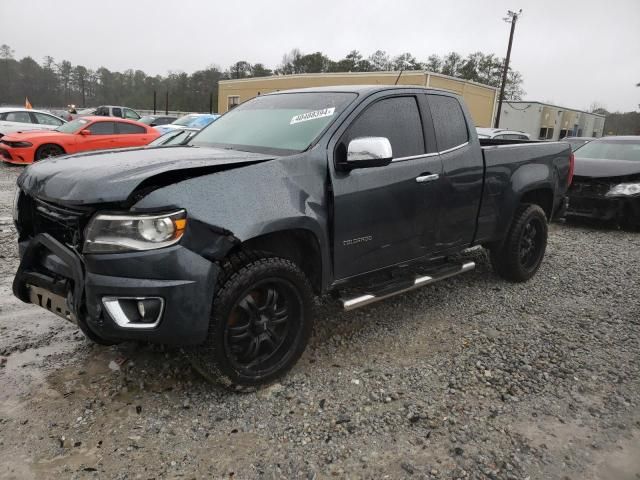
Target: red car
{"x": 80, "y": 135}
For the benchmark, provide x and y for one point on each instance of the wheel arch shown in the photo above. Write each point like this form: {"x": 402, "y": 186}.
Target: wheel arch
{"x": 300, "y": 245}
{"x": 541, "y": 196}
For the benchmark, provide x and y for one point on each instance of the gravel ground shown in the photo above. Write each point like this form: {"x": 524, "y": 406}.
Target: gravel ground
{"x": 470, "y": 378}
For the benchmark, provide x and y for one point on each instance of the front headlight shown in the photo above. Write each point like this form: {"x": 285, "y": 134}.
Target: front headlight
{"x": 108, "y": 233}
{"x": 624, "y": 190}
{"x": 19, "y": 144}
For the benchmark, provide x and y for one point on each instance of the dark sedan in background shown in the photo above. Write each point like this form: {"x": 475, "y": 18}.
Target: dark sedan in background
{"x": 606, "y": 184}
{"x": 155, "y": 120}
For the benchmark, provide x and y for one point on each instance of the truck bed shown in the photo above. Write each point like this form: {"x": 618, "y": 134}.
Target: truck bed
{"x": 511, "y": 169}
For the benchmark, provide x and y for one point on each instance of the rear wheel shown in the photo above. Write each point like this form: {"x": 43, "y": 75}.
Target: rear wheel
{"x": 48, "y": 150}
{"x": 519, "y": 256}
{"x": 260, "y": 324}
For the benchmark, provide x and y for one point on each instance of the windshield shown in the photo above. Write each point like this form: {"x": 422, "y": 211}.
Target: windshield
{"x": 186, "y": 120}
{"x": 73, "y": 126}
{"x": 284, "y": 123}
{"x": 611, "y": 150}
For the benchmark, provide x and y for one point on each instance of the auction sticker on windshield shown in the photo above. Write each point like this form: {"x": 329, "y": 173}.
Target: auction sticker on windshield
{"x": 304, "y": 117}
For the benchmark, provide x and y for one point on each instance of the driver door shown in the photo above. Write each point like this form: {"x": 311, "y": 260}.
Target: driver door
{"x": 386, "y": 215}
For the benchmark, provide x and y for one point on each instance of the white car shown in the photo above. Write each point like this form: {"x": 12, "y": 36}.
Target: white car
{"x": 502, "y": 134}
{"x": 21, "y": 119}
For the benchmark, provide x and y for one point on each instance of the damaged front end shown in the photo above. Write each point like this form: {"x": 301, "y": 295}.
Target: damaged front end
{"x": 90, "y": 254}
{"x": 615, "y": 199}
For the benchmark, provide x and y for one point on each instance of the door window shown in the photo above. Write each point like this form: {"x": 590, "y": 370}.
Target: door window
{"x": 20, "y": 117}
{"x": 130, "y": 128}
{"x": 102, "y": 128}
{"x": 117, "y": 112}
{"x": 395, "y": 118}
{"x": 448, "y": 122}
{"x": 44, "y": 119}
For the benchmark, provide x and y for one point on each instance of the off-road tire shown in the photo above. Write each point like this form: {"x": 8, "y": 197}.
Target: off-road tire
{"x": 506, "y": 257}
{"x": 240, "y": 273}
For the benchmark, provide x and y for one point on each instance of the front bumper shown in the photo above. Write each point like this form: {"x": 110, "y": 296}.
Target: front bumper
{"x": 182, "y": 278}
{"x": 23, "y": 157}
{"x": 605, "y": 208}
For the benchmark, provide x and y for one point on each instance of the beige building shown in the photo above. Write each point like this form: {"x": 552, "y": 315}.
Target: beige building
{"x": 480, "y": 99}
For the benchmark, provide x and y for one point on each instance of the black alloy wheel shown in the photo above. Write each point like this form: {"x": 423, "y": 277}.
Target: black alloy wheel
{"x": 519, "y": 255}
{"x": 261, "y": 322}
{"x": 258, "y": 333}
{"x": 530, "y": 243}
{"x": 48, "y": 151}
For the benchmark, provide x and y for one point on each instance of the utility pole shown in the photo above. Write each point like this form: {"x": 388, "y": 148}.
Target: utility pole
{"x": 512, "y": 17}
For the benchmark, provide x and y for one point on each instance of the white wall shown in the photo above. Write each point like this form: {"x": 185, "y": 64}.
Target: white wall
{"x": 524, "y": 117}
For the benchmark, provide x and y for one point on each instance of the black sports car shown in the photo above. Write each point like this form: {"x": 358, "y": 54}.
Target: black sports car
{"x": 606, "y": 182}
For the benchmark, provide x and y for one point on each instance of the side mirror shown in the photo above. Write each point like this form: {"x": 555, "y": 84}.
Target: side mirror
{"x": 153, "y": 124}
{"x": 366, "y": 152}
{"x": 85, "y": 132}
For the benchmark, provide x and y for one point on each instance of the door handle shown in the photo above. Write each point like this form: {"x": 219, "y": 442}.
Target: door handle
{"x": 427, "y": 178}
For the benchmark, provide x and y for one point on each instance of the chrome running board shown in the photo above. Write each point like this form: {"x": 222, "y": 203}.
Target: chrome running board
{"x": 375, "y": 294}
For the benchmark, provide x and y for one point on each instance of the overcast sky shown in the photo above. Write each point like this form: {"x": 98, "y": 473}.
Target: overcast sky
{"x": 570, "y": 52}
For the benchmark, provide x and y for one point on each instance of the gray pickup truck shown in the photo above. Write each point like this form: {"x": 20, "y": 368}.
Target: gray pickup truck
{"x": 219, "y": 245}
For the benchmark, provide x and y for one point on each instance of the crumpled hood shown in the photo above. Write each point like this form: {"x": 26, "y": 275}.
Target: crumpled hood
{"x": 111, "y": 176}
{"x": 595, "y": 167}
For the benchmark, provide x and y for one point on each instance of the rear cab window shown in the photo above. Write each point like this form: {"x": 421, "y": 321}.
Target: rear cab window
{"x": 449, "y": 122}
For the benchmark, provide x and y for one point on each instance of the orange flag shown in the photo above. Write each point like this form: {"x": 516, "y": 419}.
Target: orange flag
{"x": 27, "y": 103}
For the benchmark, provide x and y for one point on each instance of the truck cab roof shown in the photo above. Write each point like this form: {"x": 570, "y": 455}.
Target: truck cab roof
{"x": 360, "y": 89}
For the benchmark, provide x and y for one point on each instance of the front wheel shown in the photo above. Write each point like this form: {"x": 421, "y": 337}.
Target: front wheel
{"x": 260, "y": 323}
{"x": 46, "y": 151}
{"x": 519, "y": 256}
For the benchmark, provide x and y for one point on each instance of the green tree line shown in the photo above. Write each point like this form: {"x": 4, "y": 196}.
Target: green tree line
{"x": 52, "y": 83}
